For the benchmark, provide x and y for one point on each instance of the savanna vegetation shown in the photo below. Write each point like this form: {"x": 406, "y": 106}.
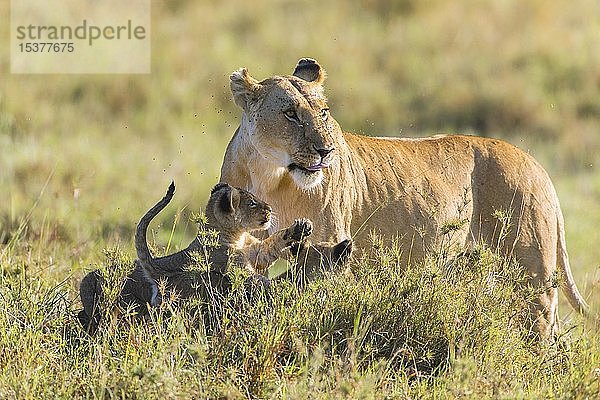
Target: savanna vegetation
{"x": 82, "y": 157}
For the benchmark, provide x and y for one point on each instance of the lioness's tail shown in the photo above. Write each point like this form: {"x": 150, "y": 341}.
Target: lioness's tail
{"x": 569, "y": 288}
{"x": 141, "y": 246}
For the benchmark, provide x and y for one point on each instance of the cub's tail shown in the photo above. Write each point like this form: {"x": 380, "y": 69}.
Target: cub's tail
{"x": 141, "y": 246}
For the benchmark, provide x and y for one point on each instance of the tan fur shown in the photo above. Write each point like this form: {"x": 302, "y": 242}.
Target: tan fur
{"x": 411, "y": 188}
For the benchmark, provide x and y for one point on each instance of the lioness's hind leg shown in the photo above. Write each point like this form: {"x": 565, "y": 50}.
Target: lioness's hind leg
{"x": 544, "y": 315}
{"x": 536, "y": 253}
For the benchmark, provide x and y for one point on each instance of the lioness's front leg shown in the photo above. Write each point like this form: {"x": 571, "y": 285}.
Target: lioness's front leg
{"x": 262, "y": 254}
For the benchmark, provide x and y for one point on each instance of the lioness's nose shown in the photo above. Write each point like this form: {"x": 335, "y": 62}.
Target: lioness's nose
{"x": 323, "y": 152}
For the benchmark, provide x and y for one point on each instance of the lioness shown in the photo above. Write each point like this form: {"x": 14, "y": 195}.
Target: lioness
{"x": 291, "y": 152}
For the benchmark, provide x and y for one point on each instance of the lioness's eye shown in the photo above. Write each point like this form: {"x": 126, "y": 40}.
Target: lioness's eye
{"x": 252, "y": 204}
{"x": 291, "y": 114}
{"x": 325, "y": 113}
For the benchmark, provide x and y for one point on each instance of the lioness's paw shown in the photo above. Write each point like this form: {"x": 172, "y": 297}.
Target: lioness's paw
{"x": 300, "y": 229}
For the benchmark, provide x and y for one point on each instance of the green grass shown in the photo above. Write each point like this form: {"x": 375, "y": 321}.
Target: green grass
{"x": 83, "y": 156}
{"x": 428, "y": 331}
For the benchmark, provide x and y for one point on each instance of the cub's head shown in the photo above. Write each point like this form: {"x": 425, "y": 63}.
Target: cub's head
{"x": 286, "y": 119}
{"x": 237, "y": 210}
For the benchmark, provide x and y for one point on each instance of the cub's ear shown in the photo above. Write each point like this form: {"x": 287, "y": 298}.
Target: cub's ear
{"x": 244, "y": 88}
{"x": 342, "y": 251}
{"x": 218, "y": 186}
{"x": 230, "y": 200}
{"x": 310, "y": 70}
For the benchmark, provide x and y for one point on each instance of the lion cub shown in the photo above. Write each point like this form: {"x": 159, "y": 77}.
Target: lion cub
{"x": 234, "y": 213}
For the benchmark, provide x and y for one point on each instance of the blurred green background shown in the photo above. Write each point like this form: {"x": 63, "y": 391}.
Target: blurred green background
{"x": 83, "y": 156}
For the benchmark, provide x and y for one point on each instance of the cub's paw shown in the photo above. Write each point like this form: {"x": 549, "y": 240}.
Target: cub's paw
{"x": 300, "y": 229}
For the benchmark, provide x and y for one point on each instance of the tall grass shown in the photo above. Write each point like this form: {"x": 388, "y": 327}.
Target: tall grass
{"x": 427, "y": 331}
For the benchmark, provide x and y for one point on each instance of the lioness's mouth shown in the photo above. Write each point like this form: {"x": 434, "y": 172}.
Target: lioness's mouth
{"x": 307, "y": 178}
{"x": 310, "y": 169}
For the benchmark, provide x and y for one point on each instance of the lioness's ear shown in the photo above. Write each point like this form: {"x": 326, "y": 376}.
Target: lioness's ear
{"x": 230, "y": 200}
{"x": 243, "y": 87}
{"x": 310, "y": 70}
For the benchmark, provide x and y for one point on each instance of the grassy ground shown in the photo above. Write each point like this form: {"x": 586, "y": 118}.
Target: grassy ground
{"x": 83, "y": 156}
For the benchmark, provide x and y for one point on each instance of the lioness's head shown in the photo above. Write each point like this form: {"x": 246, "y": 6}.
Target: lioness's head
{"x": 237, "y": 210}
{"x": 287, "y": 120}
